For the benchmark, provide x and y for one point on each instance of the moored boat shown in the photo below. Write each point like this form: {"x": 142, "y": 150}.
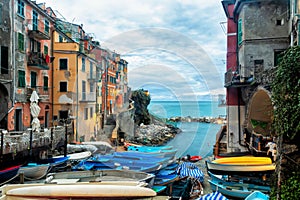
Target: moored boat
{"x": 76, "y": 191}
{"x": 148, "y": 149}
{"x": 234, "y": 189}
{"x": 218, "y": 168}
{"x": 257, "y": 195}
{"x": 8, "y": 174}
{"x": 34, "y": 171}
{"x": 244, "y": 160}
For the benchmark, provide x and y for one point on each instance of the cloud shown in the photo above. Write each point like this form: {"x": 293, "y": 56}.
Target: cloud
{"x": 175, "y": 48}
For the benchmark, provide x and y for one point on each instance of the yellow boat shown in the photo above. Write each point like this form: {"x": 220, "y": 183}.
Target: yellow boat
{"x": 244, "y": 160}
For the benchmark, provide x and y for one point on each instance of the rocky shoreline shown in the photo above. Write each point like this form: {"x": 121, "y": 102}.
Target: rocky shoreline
{"x": 215, "y": 120}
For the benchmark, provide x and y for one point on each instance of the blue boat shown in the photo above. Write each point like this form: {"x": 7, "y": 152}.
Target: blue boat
{"x": 168, "y": 153}
{"x": 8, "y": 173}
{"x": 159, "y": 188}
{"x": 234, "y": 189}
{"x": 148, "y": 149}
{"x": 165, "y": 179}
{"x": 56, "y": 163}
{"x": 257, "y": 195}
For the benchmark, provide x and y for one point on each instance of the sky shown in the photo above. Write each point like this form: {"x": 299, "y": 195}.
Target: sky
{"x": 175, "y": 49}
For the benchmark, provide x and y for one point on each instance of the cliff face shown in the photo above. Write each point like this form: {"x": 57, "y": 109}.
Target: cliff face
{"x": 141, "y": 100}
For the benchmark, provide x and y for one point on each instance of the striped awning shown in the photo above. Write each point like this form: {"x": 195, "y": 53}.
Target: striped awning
{"x": 213, "y": 196}
{"x": 190, "y": 169}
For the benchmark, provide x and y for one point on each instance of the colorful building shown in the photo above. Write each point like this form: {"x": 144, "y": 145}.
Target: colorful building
{"x": 257, "y": 33}
{"x": 74, "y": 80}
{"x": 28, "y": 60}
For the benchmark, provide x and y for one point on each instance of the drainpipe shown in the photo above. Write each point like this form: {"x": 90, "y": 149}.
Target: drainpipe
{"x": 13, "y": 52}
{"x": 77, "y": 100}
{"x": 52, "y": 65}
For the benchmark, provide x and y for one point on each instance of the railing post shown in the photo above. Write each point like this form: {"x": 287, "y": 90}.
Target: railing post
{"x": 66, "y": 139}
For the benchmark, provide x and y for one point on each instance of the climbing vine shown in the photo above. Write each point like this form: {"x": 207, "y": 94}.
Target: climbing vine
{"x": 286, "y": 100}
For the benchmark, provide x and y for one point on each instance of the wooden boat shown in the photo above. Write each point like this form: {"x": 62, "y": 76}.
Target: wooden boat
{"x": 218, "y": 168}
{"x": 100, "y": 176}
{"x": 56, "y": 163}
{"x": 34, "y": 170}
{"x": 257, "y": 195}
{"x": 8, "y": 174}
{"x": 76, "y": 191}
{"x": 78, "y": 156}
{"x": 234, "y": 189}
{"x": 159, "y": 188}
{"x": 244, "y": 160}
{"x": 162, "y": 154}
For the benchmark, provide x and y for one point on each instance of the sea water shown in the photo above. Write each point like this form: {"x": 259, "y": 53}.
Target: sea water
{"x": 196, "y": 138}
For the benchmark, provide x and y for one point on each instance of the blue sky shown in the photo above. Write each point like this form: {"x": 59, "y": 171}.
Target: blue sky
{"x": 176, "y": 49}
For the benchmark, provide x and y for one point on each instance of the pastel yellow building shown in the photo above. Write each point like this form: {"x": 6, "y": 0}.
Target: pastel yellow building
{"x": 74, "y": 82}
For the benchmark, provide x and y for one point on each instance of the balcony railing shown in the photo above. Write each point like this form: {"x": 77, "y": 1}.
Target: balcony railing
{"x": 42, "y": 91}
{"x": 88, "y": 96}
{"x": 38, "y": 60}
{"x": 38, "y": 29}
{"x": 233, "y": 79}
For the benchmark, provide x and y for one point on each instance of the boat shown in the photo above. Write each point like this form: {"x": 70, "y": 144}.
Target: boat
{"x": 165, "y": 179}
{"x": 8, "y": 174}
{"x": 195, "y": 158}
{"x": 100, "y": 176}
{"x": 34, "y": 171}
{"x": 162, "y": 154}
{"x": 74, "y": 191}
{"x": 110, "y": 164}
{"x": 257, "y": 195}
{"x": 218, "y": 168}
{"x": 56, "y": 163}
{"x": 159, "y": 188}
{"x": 234, "y": 189}
{"x": 188, "y": 169}
{"x": 148, "y": 149}
{"x": 244, "y": 160}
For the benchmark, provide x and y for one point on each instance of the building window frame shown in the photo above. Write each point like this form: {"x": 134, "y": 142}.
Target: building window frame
{"x": 240, "y": 31}
{"x": 21, "y": 79}
{"x": 47, "y": 27}
{"x": 21, "y": 42}
{"x": 63, "y": 64}
{"x": 21, "y": 8}
{"x": 86, "y": 113}
{"x": 63, "y": 86}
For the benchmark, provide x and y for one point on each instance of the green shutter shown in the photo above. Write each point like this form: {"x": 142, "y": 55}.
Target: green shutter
{"x": 240, "y": 31}
{"x": 45, "y": 83}
{"x": 21, "y": 79}
{"x": 1, "y": 14}
{"x": 21, "y": 41}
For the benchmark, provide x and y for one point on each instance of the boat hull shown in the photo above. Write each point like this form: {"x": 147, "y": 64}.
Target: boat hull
{"x": 34, "y": 171}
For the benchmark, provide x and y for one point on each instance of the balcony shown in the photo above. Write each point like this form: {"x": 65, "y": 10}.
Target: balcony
{"x": 42, "y": 91}
{"x": 38, "y": 30}
{"x": 233, "y": 79}
{"x": 87, "y": 97}
{"x": 38, "y": 60}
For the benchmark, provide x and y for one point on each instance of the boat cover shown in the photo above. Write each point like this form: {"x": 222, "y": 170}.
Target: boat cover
{"x": 213, "y": 196}
{"x": 190, "y": 169}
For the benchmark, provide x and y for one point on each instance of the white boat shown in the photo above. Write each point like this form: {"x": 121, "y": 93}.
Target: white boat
{"x": 76, "y": 191}
{"x": 34, "y": 171}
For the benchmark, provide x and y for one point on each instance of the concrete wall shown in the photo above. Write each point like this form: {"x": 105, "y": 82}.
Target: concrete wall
{"x": 265, "y": 30}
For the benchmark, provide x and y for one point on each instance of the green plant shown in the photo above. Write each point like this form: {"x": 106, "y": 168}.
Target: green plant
{"x": 286, "y": 94}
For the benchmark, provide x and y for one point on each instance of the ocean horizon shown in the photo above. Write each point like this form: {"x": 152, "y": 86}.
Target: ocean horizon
{"x": 196, "y": 138}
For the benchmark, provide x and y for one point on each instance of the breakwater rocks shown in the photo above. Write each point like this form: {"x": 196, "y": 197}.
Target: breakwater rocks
{"x": 154, "y": 134}
{"x": 215, "y": 120}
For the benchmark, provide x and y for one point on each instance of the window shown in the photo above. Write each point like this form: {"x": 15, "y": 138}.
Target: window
{"x": 21, "y": 79}
{"x": 33, "y": 79}
{"x": 63, "y": 86}
{"x": 21, "y": 41}
{"x": 83, "y": 90}
{"x": 91, "y": 112}
{"x": 60, "y": 39}
{"x": 45, "y": 83}
{"x": 4, "y": 60}
{"x": 86, "y": 113}
{"x": 35, "y": 20}
{"x": 83, "y": 65}
{"x": 240, "y": 31}
{"x": 46, "y": 50}
{"x": 91, "y": 70}
{"x": 47, "y": 28}
{"x": 21, "y": 8}
{"x": 91, "y": 87}
{"x": 63, "y": 64}
{"x": 278, "y": 54}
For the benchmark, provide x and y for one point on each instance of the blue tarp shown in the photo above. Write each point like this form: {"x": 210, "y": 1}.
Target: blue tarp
{"x": 213, "y": 196}
{"x": 190, "y": 169}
